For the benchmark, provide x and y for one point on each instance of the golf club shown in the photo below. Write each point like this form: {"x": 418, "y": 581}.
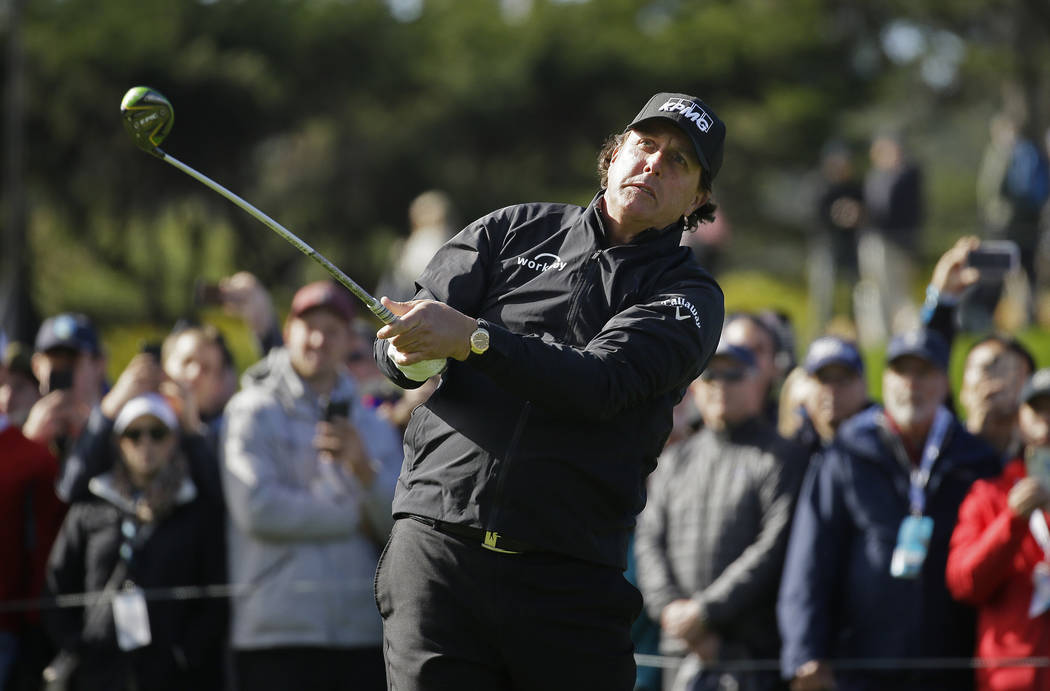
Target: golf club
{"x": 148, "y": 117}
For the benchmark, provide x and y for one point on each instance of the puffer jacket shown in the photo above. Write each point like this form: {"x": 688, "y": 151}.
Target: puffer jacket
{"x": 304, "y": 536}
{"x": 715, "y": 530}
{"x": 183, "y": 548}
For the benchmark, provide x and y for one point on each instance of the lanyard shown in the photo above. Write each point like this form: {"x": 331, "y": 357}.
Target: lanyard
{"x": 921, "y": 475}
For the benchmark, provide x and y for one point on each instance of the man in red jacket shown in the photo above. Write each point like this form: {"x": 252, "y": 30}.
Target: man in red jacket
{"x": 999, "y": 559}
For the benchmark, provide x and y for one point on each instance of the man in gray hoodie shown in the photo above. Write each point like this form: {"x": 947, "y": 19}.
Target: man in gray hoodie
{"x": 309, "y": 474}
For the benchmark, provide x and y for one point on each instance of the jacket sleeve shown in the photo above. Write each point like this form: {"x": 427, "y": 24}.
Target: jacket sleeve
{"x": 655, "y": 580}
{"x": 385, "y": 448}
{"x": 66, "y": 568}
{"x": 258, "y": 501}
{"x": 47, "y": 514}
{"x": 89, "y": 457}
{"x": 648, "y": 349}
{"x": 208, "y": 618}
{"x": 984, "y": 546}
{"x": 941, "y": 318}
{"x": 462, "y": 264}
{"x": 756, "y": 572}
{"x": 816, "y": 549}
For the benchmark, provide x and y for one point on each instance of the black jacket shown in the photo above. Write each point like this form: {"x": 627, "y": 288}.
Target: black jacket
{"x": 548, "y": 437}
{"x": 186, "y": 548}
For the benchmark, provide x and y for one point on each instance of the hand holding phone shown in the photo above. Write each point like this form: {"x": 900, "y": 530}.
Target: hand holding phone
{"x": 994, "y": 258}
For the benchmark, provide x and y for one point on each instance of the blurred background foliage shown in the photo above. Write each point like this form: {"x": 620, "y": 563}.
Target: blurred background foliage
{"x": 331, "y": 115}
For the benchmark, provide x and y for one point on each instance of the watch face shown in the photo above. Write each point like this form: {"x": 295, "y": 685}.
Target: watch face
{"x": 479, "y": 341}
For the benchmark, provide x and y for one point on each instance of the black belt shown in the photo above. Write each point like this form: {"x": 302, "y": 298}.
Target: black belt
{"x": 488, "y": 539}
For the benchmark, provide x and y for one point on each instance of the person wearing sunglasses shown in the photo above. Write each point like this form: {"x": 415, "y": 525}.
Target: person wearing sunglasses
{"x": 145, "y": 529}
{"x": 711, "y": 539}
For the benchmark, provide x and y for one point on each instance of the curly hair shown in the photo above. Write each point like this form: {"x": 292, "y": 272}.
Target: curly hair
{"x": 704, "y": 214}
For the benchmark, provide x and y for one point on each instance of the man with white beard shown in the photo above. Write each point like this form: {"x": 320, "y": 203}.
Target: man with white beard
{"x": 864, "y": 575}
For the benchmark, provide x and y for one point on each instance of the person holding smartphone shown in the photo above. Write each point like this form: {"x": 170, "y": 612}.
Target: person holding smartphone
{"x": 69, "y": 364}
{"x": 309, "y": 474}
{"x": 999, "y": 559}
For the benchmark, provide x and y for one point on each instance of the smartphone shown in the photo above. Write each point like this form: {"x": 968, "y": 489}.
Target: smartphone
{"x": 205, "y": 293}
{"x": 59, "y": 380}
{"x": 994, "y": 258}
{"x": 337, "y": 409}
{"x": 151, "y": 347}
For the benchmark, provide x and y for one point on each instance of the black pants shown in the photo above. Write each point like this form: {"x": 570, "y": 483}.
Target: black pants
{"x": 316, "y": 669}
{"x": 458, "y": 616}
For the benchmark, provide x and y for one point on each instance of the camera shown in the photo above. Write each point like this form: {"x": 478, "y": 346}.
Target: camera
{"x": 337, "y": 409}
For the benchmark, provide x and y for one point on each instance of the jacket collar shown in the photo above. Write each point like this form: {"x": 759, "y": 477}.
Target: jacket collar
{"x": 863, "y": 437}
{"x": 105, "y": 487}
{"x": 670, "y": 236}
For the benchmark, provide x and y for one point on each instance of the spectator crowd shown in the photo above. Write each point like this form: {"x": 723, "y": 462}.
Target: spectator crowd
{"x": 178, "y": 528}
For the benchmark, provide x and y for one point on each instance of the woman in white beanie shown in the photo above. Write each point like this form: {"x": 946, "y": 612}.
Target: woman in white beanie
{"x": 144, "y": 530}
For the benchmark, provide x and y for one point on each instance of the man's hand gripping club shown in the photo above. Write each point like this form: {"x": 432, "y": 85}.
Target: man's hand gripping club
{"x": 425, "y": 335}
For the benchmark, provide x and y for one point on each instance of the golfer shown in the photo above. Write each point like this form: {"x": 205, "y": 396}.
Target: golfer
{"x": 570, "y": 335}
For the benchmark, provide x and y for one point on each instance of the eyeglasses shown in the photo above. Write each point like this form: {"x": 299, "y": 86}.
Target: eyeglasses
{"x": 155, "y": 433}
{"x": 726, "y": 374}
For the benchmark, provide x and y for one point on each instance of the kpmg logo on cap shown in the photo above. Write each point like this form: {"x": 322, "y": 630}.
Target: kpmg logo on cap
{"x": 689, "y": 111}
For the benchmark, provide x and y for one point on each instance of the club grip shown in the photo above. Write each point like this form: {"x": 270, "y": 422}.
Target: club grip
{"x": 385, "y": 315}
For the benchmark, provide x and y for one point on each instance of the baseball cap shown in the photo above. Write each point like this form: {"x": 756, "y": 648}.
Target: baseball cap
{"x": 832, "y": 350}
{"x": 923, "y": 343}
{"x": 147, "y": 404}
{"x": 68, "y": 330}
{"x": 742, "y": 354}
{"x": 693, "y": 117}
{"x": 323, "y": 294}
{"x": 1037, "y": 385}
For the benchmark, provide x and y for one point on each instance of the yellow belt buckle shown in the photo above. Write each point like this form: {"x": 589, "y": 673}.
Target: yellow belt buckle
{"x": 491, "y": 537}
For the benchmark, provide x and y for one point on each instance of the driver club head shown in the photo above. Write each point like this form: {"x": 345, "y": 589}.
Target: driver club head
{"x": 148, "y": 117}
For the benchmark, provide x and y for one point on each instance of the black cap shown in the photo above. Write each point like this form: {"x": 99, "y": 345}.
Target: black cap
{"x": 693, "y": 117}
{"x": 73, "y": 331}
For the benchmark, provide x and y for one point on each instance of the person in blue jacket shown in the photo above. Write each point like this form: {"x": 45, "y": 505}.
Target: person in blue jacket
{"x": 863, "y": 596}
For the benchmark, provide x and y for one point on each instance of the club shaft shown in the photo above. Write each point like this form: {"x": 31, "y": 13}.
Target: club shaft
{"x": 371, "y": 302}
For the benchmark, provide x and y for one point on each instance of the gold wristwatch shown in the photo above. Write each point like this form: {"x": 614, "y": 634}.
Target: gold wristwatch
{"x": 479, "y": 340}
